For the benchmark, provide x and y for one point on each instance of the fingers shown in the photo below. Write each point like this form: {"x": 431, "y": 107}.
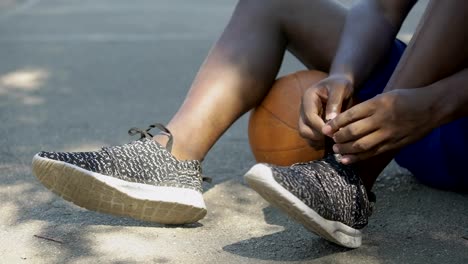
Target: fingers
{"x": 313, "y": 137}
{"x": 334, "y": 103}
{"x": 310, "y": 121}
{"x": 363, "y": 144}
{"x": 311, "y": 111}
{"x": 355, "y": 131}
{"x": 353, "y": 158}
{"x": 307, "y": 132}
{"x": 355, "y": 113}
{"x": 350, "y": 159}
{"x": 333, "y": 92}
{"x": 337, "y": 94}
{"x": 367, "y": 147}
{"x": 309, "y": 128}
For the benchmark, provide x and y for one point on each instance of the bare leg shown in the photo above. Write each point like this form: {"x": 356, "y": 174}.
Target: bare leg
{"x": 437, "y": 50}
{"x": 244, "y": 62}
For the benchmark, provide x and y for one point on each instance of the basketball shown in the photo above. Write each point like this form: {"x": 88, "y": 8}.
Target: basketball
{"x": 273, "y": 125}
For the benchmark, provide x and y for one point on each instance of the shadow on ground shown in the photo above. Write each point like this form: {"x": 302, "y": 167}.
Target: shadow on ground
{"x": 66, "y": 87}
{"x": 412, "y": 224}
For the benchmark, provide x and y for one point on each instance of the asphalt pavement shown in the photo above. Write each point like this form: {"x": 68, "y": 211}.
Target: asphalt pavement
{"x": 76, "y": 75}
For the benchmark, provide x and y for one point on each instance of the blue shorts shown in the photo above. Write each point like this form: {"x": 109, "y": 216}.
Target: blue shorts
{"x": 438, "y": 159}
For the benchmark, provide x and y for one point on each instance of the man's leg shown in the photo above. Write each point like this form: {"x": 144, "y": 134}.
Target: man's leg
{"x": 243, "y": 64}
{"x": 148, "y": 181}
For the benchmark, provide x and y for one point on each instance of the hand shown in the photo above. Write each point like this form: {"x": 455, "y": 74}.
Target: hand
{"x": 329, "y": 94}
{"x": 388, "y": 121}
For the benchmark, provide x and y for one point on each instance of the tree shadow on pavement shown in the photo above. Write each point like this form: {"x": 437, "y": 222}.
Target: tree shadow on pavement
{"x": 412, "y": 224}
{"x": 294, "y": 243}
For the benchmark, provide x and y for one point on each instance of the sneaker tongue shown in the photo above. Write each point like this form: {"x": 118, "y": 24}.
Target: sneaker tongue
{"x": 145, "y": 133}
{"x": 372, "y": 199}
{"x": 329, "y": 145}
{"x": 329, "y": 149}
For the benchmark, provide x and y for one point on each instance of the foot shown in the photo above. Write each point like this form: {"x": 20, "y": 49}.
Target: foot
{"x": 141, "y": 179}
{"x": 328, "y": 198}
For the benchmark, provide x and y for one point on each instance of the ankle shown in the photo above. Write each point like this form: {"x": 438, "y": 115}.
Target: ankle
{"x": 370, "y": 169}
{"x": 180, "y": 150}
{"x": 368, "y": 183}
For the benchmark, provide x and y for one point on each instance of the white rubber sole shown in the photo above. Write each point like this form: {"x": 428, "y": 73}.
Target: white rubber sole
{"x": 260, "y": 178}
{"x": 101, "y": 193}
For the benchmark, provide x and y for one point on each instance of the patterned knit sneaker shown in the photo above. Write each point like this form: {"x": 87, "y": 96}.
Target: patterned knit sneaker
{"x": 141, "y": 179}
{"x": 327, "y": 197}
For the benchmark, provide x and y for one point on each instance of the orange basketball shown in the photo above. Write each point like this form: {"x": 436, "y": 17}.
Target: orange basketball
{"x": 273, "y": 125}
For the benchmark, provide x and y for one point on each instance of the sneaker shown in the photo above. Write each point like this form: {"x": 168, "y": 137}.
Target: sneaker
{"x": 141, "y": 179}
{"x": 325, "y": 196}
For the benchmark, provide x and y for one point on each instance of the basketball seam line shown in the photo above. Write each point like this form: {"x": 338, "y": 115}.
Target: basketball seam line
{"x": 288, "y": 126}
{"x": 277, "y": 117}
{"x": 300, "y": 84}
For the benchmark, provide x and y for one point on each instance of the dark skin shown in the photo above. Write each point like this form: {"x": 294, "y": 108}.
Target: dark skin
{"x": 244, "y": 62}
{"x": 370, "y": 133}
{"x": 402, "y": 115}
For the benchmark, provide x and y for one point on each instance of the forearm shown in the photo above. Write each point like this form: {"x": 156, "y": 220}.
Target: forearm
{"x": 450, "y": 97}
{"x": 371, "y": 27}
{"x": 438, "y": 48}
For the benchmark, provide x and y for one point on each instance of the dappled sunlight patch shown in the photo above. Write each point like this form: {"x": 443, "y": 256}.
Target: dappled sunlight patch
{"x": 16, "y": 192}
{"x": 32, "y": 100}
{"x": 231, "y": 203}
{"x": 20, "y": 190}
{"x": 234, "y": 198}
{"x": 9, "y": 213}
{"x": 117, "y": 245}
{"x": 356, "y": 258}
{"x": 27, "y": 79}
{"x": 90, "y": 146}
{"x": 19, "y": 245}
{"x": 14, "y": 168}
{"x": 16, "y": 188}
{"x": 22, "y": 83}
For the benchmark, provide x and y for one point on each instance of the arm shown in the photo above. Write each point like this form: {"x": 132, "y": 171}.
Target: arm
{"x": 450, "y": 98}
{"x": 428, "y": 89}
{"x": 397, "y": 118}
{"x": 370, "y": 28}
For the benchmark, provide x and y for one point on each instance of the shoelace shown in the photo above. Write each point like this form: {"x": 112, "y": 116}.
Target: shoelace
{"x": 331, "y": 158}
{"x": 145, "y": 133}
